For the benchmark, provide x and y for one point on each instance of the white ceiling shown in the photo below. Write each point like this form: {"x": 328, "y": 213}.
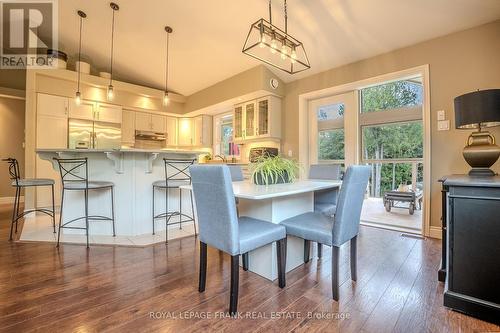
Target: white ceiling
{"x": 209, "y": 34}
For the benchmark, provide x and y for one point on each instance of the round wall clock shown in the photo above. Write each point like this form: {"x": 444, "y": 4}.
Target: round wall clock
{"x": 274, "y": 83}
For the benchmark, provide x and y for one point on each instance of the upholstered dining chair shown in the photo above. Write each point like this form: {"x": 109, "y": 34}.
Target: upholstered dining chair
{"x": 325, "y": 201}
{"x": 339, "y": 229}
{"x": 221, "y": 228}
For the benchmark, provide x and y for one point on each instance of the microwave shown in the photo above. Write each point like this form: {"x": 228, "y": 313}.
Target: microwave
{"x": 257, "y": 152}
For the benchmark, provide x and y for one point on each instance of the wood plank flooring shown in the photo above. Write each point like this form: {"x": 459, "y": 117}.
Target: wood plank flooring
{"x": 154, "y": 289}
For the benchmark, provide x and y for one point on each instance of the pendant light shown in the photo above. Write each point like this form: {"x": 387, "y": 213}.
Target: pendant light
{"x": 268, "y": 43}
{"x": 78, "y": 95}
{"x": 166, "y": 98}
{"x": 111, "y": 92}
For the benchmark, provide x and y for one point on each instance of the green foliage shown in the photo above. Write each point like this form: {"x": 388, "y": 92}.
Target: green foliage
{"x": 400, "y": 140}
{"x": 331, "y": 145}
{"x": 272, "y": 169}
{"x": 391, "y": 95}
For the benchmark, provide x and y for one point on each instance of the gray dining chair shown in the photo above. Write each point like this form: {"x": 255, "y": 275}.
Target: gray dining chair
{"x": 325, "y": 201}
{"x": 221, "y": 228}
{"x": 339, "y": 229}
{"x": 236, "y": 173}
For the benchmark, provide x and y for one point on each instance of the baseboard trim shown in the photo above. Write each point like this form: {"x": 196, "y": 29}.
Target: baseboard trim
{"x": 435, "y": 232}
{"x": 9, "y": 200}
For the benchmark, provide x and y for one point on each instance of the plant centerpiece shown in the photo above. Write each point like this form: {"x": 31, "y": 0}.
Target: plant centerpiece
{"x": 267, "y": 170}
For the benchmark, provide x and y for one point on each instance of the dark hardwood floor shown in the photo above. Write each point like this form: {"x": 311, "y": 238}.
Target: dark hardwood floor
{"x": 155, "y": 288}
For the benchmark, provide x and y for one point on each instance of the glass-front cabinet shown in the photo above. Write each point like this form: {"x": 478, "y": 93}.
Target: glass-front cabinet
{"x": 256, "y": 119}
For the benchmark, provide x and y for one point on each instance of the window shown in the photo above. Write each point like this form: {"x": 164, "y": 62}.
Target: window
{"x": 331, "y": 132}
{"x": 392, "y": 95}
{"x": 226, "y": 146}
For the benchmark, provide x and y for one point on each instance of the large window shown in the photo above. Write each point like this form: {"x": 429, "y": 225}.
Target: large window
{"x": 392, "y": 135}
{"x": 226, "y": 146}
{"x": 331, "y": 132}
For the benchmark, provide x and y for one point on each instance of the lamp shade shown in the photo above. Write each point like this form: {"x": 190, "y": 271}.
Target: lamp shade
{"x": 478, "y": 109}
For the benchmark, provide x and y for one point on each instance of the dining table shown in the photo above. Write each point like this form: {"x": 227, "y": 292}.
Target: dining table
{"x": 275, "y": 203}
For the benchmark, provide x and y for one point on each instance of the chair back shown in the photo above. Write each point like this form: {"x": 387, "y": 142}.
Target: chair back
{"x": 349, "y": 204}
{"x": 214, "y": 197}
{"x": 74, "y": 171}
{"x": 14, "y": 173}
{"x": 236, "y": 173}
{"x": 177, "y": 169}
{"x": 325, "y": 171}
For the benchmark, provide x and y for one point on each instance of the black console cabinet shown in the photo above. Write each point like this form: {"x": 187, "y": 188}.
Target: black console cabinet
{"x": 472, "y": 243}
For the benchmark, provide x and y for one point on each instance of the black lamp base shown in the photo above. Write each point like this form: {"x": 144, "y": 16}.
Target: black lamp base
{"x": 481, "y": 172}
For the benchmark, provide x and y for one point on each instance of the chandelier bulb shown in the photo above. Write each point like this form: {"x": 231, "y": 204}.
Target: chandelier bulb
{"x": 78, "y": 98}
{"x": 111, "y": 93}
{"x": 166, "y": 98}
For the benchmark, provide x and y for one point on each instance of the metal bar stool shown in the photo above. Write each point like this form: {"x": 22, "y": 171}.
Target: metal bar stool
{"x": 74, "y": 177}
{"x": 176, "y": 175}
{"x": 19, "y": 184}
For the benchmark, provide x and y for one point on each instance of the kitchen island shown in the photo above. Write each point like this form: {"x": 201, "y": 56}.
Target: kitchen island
{"x": 132, "y": 171}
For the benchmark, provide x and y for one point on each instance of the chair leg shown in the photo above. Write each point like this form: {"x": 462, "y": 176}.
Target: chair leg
{"x": 113, "y": 210}
{"x": 60, "y": 219}
{"x": 335, "y": 273}
{"x": 203, "y": 267}
{"x": 233, "y": 298}
{"x": 14, "y": 211}
{"x": 307, "y": 249}
{"x": 153, "y": 210}
{"x": 87, "y": 216}
{"x": 180, "y": 208}
{"x": 192, "y": 211}
{"x": 167, "y": 217}
{"x": 244, "y": 259}
{"x": 320, "y": 252}
{"x": 281, "y": 251}
{"x": 53, "y": 210}
{"x": 354, "y": 258}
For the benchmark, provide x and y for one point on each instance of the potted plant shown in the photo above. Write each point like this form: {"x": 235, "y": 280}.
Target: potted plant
{"x": 268, "y": 170}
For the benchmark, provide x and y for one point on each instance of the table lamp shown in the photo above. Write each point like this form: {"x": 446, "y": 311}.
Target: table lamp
{"x": 479, "y": 110}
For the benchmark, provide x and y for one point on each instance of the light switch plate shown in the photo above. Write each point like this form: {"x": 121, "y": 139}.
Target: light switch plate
{"x": 441, "y": 115}
{"x": 443, "y": 125}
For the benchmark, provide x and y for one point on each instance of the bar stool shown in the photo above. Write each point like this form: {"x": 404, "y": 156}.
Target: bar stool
{"x": 19, "y": 184}
{"x": 176, "y": 175}
{"x": 74, "y": 177}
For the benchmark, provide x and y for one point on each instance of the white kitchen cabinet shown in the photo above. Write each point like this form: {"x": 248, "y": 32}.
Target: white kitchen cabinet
{"x": 85, "y": 110}
{"x": 108, "y": 113}
{"x": 185, "y": 132}
{"x": 257, "y": 119}
{"x": 128, "y": 127}
{"x": 171, "y": 127}
{"x": 51, "y": 105}
{"x": 158, "y": 123}
{"x": 202, "y": 131}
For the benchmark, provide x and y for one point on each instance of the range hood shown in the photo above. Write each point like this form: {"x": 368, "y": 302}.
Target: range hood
{"x": 150, "y": 136}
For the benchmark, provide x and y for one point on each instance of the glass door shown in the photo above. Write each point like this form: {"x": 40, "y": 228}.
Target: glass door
{"x": 263, "y": 117}
{"x": 249, "y": 120}
{"x": 238, "y": 122}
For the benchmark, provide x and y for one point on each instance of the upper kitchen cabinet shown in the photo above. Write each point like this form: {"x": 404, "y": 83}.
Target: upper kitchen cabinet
{"x": 88, "y": 110}
{"x": 258, "y": 119}
{"x": 171, "y": 131}
{"x": 185, "y": 132}
{"x": 150, "y": 122}
{"x": 52, "y": 122}
{"x": 85, "y": 110}
{"x": 108, "y": 113}
{"x": 202, "y": 131}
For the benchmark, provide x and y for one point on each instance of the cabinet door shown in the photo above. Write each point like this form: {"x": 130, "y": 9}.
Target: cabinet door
{"x": 238, "y": 122}
{"x": 171, "y": 131}
{"x": 198, "y": 131}
{"x": 263, "y": 117}
{"x": 109, "y": 113}
{"x": 51, "y": 105}
{"x": 128, "y": 127}
{"x": 158, "y": 123}
{"x": 143, "y": 121}
{"x": 52, "y": 132}
{"x": 185, "y": 132}
{"x": 45, "y": 169}
{"x": 250, "y": 115}
{"x": 85, "y": 110}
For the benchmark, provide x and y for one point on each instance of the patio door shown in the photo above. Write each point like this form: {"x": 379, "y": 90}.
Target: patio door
{"x": 333, "y": 134}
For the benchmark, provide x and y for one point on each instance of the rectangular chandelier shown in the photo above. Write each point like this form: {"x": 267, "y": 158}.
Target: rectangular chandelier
{"x": 268, "y": 43}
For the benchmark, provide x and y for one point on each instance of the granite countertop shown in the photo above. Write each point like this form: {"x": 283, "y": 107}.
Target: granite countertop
{"x": 123, "y": 150}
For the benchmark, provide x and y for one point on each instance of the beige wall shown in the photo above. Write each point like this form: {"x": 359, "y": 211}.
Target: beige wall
{"x": 13, "y": 78}
{"x": 246, "y": 82}
{"x": 458, "y": 63}
{"x": 11, "y": 139}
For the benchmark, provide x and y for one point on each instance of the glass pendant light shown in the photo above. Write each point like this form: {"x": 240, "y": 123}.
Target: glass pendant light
{"x": 111, "y": 93}
{"x": 78, "y": 95}
{"x": 166, "y": 98}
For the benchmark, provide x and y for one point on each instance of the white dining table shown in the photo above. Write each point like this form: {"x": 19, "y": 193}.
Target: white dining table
{"x": 275, "y": 203}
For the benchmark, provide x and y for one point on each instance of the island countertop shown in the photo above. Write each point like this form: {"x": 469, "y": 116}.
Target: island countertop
{"x": 123, "y": 150}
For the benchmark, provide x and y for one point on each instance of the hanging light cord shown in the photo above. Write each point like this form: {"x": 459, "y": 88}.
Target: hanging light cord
{"x": 286, "y": 20}
{"x": 270, "y": 16}
{"x": 166, "y": 65}
{"x": 79, "y": 52}
{"x": 112, "y": 45}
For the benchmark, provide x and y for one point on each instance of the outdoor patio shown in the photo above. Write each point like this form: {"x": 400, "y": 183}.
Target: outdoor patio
{"x": 374, "y": 214}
